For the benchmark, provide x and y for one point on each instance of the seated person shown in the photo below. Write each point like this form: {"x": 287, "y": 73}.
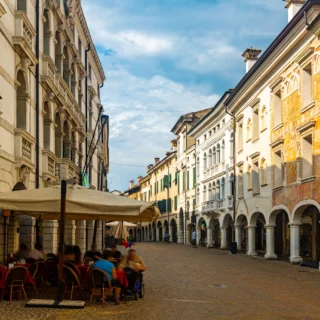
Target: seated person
{"x": 77, "y": 255}
{"x": 36, "y": 253}
{"x": 133, "y": 261}
{"x": 93, "y": 253}
{"x": 22, "y": 253}
{"x": 166, "y": 236}
{"x": 116, "y": 253}
{"x": 68, "y": 254}
{"x": 107, "y": 266}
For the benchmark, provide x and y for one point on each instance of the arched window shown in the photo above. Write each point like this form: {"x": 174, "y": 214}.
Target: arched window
{"x": 205, "y": 162}
{"x": 198, "y": 195}
{"x": 263, "y": 170}
{"x": 46, "y": 126}
{"x": 73, "y": 79}
{"x": 58, "y": 136}
{"x": 21, "y": 115}
{"x": 213, "y": 191}
{"x": 249, "y": 178}
{"x": 210, "y": 192}
{"x": 240, "y": 184}
{"x": 210, "y": 159}
{"x": 80, "y": 155}
{"x": 231, "y": 184}
{"x": 46, "y": 34}
{"x": 214, "y": 156}
{"x": 222, "y": 188}
{"x": 66, "y": 67}
{"x": 218, "y": 190}
{"x": 249, "y": 129}
{"x": 58, "y": 53}
{"x": 198, "y": 165}
{"x": 218, "y": 154}
{"x": 66, "y": 141}
{"x": 263, "y": 118}
{"x": 204, "y": 194}
{"x": 223, "y": 152}
{"x": 73, "y": 147}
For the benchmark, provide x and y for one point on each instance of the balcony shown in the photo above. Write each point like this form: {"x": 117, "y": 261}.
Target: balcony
{"x": 23, "y": 37}
{"x": 23, "y": 148}
{"x": 220, "y": 203}
{"x": 66, "y": 169}
{"x": 209, "y": 206}
{"x": 48, "y": 165}
{"x": 230, "y": 202}
{"x": 48, "y": 72}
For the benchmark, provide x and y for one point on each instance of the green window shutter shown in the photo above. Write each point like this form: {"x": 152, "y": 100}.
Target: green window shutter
{"x": 170, "y": 180}
{"x": 176, "y": 178}
{"x": 184, "y": 181}
{"x": 178, "y": 181}
{"x": 188, "y": 180}
{"x": 194, "y": 177}
{"x": 175, "y": 202}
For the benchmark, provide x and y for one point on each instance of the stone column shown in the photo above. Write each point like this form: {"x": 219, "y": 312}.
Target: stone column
{"x": 209, "y": 237}
{"x": 295, "y": 243}
{"x": 188, "y": 236}
{"x": 90, "y": 233}
{"x": 70, "y": 232}
{"x": 81, "y": 235}
{"x": 238, "y": 236}
{"x": 270, "y": 254}
{"x": 99, "y": 237}
{"x": 58, "y": 145}
{"x": 13, "y": 235}
{"x": 252, "y": 241}
{"x": 224, "y": 245}
{"x": 50, "y": 236}
{"x": 27, "y": 231}
{"x": 180, "y": 229}
{"x": 170, "y": 233}
{"x": 157, "y": 234}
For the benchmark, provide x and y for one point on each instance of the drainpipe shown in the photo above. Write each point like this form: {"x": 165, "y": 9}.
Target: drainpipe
{"x": 86, "y": 142}
{"x": 234, "y": 162}
{"x": 37, "y": 110}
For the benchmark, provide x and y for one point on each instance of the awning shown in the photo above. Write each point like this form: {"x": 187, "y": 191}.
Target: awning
{"x": 116, "y": 223}
{"x": 81, "y": 204}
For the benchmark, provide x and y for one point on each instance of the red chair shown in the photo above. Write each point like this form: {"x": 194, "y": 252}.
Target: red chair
{"x": 17, "y": 278}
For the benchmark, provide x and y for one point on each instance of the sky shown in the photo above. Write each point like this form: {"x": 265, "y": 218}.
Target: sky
{"x": 164, "y": 58}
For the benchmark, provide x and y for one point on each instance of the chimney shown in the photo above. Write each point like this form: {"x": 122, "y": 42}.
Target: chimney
{"x": 156, "y": 161}
{"x": 149, "y": 167}
{"x": 251, "y": 57}
{"x": 174, "y": 144}
{"x": 140, "y": 178}
{"x": 293, "y": 7}
{"x": 131, "y": 185}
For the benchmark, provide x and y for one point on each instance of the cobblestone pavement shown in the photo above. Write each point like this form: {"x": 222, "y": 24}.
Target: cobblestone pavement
{"x": 188, "y": 283}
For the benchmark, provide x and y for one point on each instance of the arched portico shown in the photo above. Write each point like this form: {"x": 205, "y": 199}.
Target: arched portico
{"x": 201, "y": 230}
{"x": 190, "y": 228}
{"x": 159, "y": 231}
{"x": 173, "y": 230}
{"x": 154, "y": 231}
{"x": 241, "y": 231}
{"x": 226, "y": 231}
{"x": 256, "y": 234}
{"x": 214, "y": 233}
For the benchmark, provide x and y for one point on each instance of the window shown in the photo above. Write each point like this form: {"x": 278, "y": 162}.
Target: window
{"x": 210, "y": 192}
{"x": 194, "y": 177}
{"x": 210, "y": 133}
{"x": 214, "y": 130}
{"x": 175, "y": 203}
{"x": 214, "y": 156}
{"x": 205, "y": 162}
{"x": 223, "y": 152}
{"x": 198, "y": 142}
{"x": 210, "y": 159}
{"x": 218, "y": 190}
{"x": 218, "y": 154}
{"x": 223, "y": 122}
{"x": 218, "y": 126}
{"x": 240, "y": 136}
{"x": 306, "y": 85}
{"x": 213, "y": 191}
{"x": 231, "y": 184}
{"x": 255, "y": 178}
{"x": 22, "y": 5}
{"x": 256, "y": 122}
{"x": 90, "y": 71}
{"x": 263, "y": 172}
{"x": 197, "y": 195}
{"x": 307, "y": 153}
{"x": 188, "y": 180}
{"x": 263, "y": 118}
{"x": 204, "y": 194}
{"x": 240, "y": 184}
{"x": 249, "y": 130}
{"x": 205, "y": 137}
{"x": 249, "y": 178}
{"x": 277, "y": 171}
{"x": 222, "y": 188}
{"x": 198, "y": 165}
{"x": 276, "y": 106}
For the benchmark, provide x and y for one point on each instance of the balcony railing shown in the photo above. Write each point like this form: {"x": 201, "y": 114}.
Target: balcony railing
{"x": 24, "y": 35}
{"x": 23, "y": 148}
{"x": 66, "y": 169}
{"x": 209, "y": 205}
{"x": 48, "y": 71}
{"x": 230, "y": 202}
{"x": 48, "y": 164}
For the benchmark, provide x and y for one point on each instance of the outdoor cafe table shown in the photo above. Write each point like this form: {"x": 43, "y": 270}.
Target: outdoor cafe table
{"x": 4, "y": 271}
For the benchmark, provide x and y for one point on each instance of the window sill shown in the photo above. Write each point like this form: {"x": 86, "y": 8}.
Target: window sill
{"x": 278, "y": 188}
{"x": 240, "y": 151}
{"x": 256, "y": 193}
{"x": 264, "y": 185}
{"x": 263, "y": 130}
{"x": 240, "y": 198}
{"x": 250, "y": 189}
{"x": 309, "y": 179}
{"x": 256, "y": 139}
{"x": 307, "y": 107}
{"x": 248, "y": 140}
{"x": 280, "y": 125}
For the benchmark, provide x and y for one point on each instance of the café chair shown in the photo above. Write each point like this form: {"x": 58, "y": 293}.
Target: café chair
{"x": 16, "y": 278}
{"x": 33, "y": 269}
{"x": 71, "y": 281}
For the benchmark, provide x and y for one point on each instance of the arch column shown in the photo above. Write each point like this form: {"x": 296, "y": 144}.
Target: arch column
{"x": 209, "y": 237}
{"x": 224, "y": 244}
{"x": 180, "y": 228}
{"x": 270, "y": 254}
{"x": 157, "y": 234}
{"x": 295, "y": 243}
{"x": 252, "y": 241}
{"x": 238, "y": 236}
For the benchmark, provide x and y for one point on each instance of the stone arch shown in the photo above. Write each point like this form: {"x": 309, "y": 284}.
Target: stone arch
{"x": 58, "y": 52}
{"x": 159, "y": 231}
{"x": 218, "y": 154}
{"x": 201, "y": 229}
{"x": 22, "y": 100}
{"x": 301, "y": 207}
{"x": 256, "y": 216}
{"x": 275, "y": 211}
{"x": 166, "y": 226}
{"x": 173, "y": 230}
{"x": 241, "y": 226}
{"x": 214, "y": 224}
{"x": 226, "y": 220}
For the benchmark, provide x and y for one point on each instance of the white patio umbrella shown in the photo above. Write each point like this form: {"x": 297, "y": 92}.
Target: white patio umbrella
{"x": 125, "y": 223}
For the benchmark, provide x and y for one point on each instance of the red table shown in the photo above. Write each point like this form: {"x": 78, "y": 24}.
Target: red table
{"x": 84, "y": 272}
{"x": 3, "y": 273}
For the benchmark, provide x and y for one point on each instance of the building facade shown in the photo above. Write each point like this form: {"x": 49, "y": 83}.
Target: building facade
{"x": 50, "y": 78}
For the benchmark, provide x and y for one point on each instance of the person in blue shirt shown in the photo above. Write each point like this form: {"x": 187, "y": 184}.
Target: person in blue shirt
{"x": 106, "y": 264}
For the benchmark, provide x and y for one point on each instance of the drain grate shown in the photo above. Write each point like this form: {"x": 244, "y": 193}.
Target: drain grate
{"x": 219, "y": 286}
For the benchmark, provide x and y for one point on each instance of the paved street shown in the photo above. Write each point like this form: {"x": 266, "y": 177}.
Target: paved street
{"x": 187, "y": 283}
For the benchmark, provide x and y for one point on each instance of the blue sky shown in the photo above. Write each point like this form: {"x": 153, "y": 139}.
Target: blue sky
{"x": 175, "y": 56}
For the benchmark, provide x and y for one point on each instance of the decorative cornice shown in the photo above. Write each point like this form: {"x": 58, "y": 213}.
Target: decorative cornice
{"x": 307, "y": 126}
{"x": 276, "y": 143}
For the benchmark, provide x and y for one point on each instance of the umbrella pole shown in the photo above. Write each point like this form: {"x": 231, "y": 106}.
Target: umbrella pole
{"x": 61, "y": 239}
{"x": 95, "y": 232}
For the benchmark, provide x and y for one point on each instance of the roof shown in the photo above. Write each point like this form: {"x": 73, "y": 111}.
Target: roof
{"x": 163, "y": 160}
{"x": 185, "y": 117}
{"x": 212, "y": 110}
{"x": 294, "y": 21}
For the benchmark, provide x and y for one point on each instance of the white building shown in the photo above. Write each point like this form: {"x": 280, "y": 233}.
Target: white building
{"x": 214, "y": 167}
{"x": 50, "y": 78}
